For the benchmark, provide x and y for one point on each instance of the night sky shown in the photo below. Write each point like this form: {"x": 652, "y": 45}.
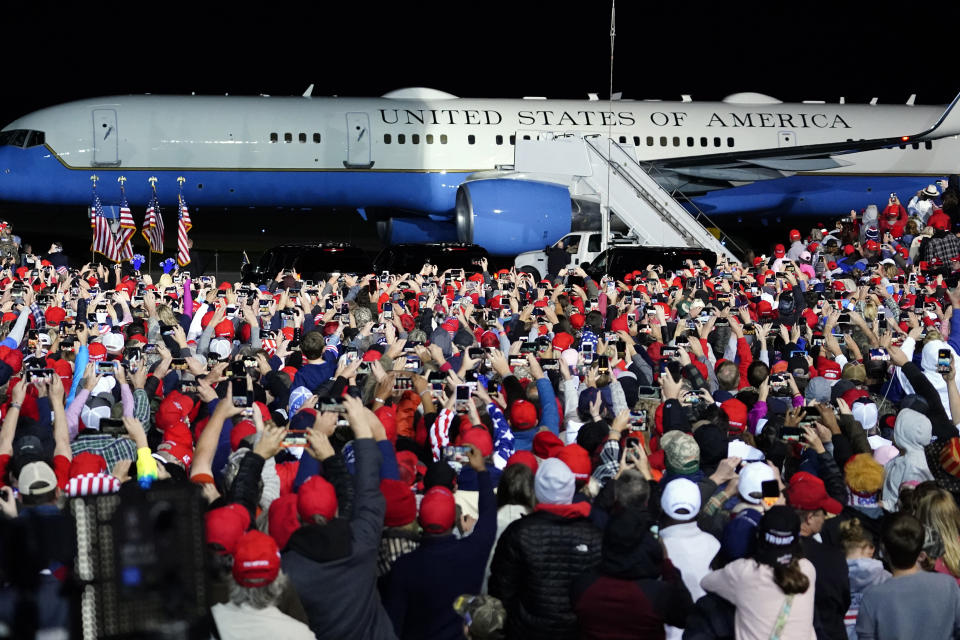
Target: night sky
{"x": 800, "y": 51}
{"x": 471, "y": 49}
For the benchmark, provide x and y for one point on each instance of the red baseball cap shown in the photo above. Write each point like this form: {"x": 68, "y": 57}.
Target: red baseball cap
{"x": 546, "y": 444}
{"x": 256, "y": 561}
{"x": 401, "y": 503}
{"x": 794, "y": 235}
{"x": 438, "y": 511}
{"x": 226, "y": 525}
{"x": 806, "y": 491}
{"x": 523, "y": 415}
{"x": 479, "y": 437}
{"x": 779, "y": 251}
{"x": 282, "y": 519}
{"x": 577, "y": 458}
{"x": 316, "y": 497}
{"x": 525, "y": 458}
{"x": 241, "y": 430}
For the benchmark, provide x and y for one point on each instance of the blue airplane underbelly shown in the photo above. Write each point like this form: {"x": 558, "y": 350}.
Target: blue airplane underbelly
{"x": 817, "y": 195}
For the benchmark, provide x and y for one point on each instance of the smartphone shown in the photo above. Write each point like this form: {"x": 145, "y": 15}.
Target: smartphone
{"x": 294, "y": 438}
{"x": 108, "y": 368}
{"x": 603, "y": 365}
{"x": 179, "y": 364}
{"x": 638, "y": 419}
{"x": 39, "y": 375}
{"x": 462, "y": 394}
{"x": 770, "y": 490}
{"x": 550, "y": 364}
{"x": 791, "y": 434}
{"x": 456, "y": 454}
{"x": 402, "y": 383}
{"x": 387, "y": 310}
{"x": 476, "y": 353}
{"x": 879, "y": 354}
{"x": 112, "y": 427}
{"x": 944, "y": 360}
{"x": 238, "y": 385}
{"x": 150, "y": 348}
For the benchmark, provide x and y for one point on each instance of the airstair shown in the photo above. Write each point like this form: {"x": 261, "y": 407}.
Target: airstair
{"x": 601, "y": 168}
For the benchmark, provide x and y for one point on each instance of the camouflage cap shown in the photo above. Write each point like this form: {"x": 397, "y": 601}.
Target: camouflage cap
{"x": 483, "y": 615}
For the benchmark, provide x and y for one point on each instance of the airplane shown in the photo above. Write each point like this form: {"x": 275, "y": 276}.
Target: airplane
{"x": 431, "y": 158}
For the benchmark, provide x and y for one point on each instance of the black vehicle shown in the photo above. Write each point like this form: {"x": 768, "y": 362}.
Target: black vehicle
{"x": 618, "y": 260}
{"x": 313, "y": 261}
{"x": 410, "y": 258}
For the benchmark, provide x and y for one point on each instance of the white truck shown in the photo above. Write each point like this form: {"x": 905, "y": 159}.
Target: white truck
{"x": 583, "y": 246}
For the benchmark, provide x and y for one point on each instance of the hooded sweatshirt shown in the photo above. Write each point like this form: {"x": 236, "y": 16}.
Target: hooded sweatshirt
{"x": 911, "y": 432}
{"x": 864, "y": 572}
{"x": 928, "y": 363}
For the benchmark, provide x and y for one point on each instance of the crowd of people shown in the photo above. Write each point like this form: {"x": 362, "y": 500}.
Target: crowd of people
{"x": 766, "y": 449}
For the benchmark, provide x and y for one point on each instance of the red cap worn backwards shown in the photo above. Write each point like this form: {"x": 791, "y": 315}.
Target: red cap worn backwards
{"x": 226, "y": 525}
{"x": 438, "y": 510}
{"x": 256, "y": 562}
{"x": 316, "y": 497}
{"x": 479, "y": 437}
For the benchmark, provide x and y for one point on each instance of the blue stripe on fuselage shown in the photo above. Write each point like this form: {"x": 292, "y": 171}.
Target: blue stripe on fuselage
{"x": 36, "y": 175}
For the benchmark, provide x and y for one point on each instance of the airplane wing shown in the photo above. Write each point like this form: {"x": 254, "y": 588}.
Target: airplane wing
{"x": 764, "y": 164}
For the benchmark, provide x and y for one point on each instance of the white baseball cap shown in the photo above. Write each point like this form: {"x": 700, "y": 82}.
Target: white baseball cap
{"x": 681, "y": 499}
{"x": 752, "y": 477}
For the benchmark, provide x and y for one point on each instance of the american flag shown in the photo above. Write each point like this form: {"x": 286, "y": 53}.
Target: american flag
{"x": 103, "y": 241}
{"x": 183, "y": 226}
{"x": 153, "y": 226}
{"x": 126, "y": 231}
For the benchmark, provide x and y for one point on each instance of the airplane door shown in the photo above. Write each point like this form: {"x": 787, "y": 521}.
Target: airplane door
{"x": 358, "y": 141}
{"x": 105, "y": 137}
{"x": 786, "y": 139}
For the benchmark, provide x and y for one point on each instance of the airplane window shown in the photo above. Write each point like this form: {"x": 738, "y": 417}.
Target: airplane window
{"x": 499, "y": 140}
{"x": 429, "y": 138}
{"x": 676, "y": 141}
{"x": 623, "y": 139}
{"x": 704, "y": 142}
{"x": 443, "y": 138}
{"x": 663, "y": 141}
{"x": 274, "y": 137}
{"x": 513, "y": 139}
{"x": 401, "y": 139}
{"x": 386, "y": 138}
{"x": 729, "y": 142}
{"x": 689, "y": 141}
{"x": 636, "y": 141}
{"x": 526, "y": 137}
{"x": 915, "y": 145}
{"x": 316, "y": 138}
{"x": 302, "y": 137}
{"x": 288, "y": 137}
{"x": 716, "y": 142}
{"x": 415, "y": 138}
{"x": 928, "y": 144}
{"x": 649, "y": 141}
{"x": 471, "y": 139}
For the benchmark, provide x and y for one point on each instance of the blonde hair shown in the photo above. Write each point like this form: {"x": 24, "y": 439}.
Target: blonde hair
{"x": 853, "y": 536}
{"x": 869, "y": 310}
{"x": 937, "y": 510}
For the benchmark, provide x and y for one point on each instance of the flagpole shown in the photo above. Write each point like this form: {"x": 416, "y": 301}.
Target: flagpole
{"x": 153, "y": 185}
{"x": 93, "y": 179}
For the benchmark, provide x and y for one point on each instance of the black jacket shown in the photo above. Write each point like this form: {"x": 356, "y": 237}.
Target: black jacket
{"x": 832, "y": 595}
{"x": 423, "y": 584}
{"x": 333, "y": 566}
{"x": 535, "y": 561}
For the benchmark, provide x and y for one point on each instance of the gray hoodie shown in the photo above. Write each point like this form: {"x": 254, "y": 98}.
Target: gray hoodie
{"x": 912, "y": 432}
{"x": 864, "y": 572}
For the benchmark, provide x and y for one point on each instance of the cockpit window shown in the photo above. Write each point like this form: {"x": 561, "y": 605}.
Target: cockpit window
{"x": 22, "y": 138}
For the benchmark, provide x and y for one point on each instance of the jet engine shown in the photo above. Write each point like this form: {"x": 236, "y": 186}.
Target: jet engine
{"x": 508, "y": 217}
